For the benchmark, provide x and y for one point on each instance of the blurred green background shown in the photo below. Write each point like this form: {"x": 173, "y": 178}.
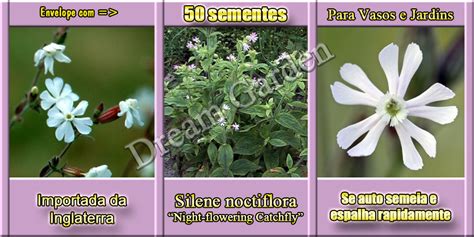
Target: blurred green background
{"x": 443, "y": 61}
{"x": 108, "y": 65}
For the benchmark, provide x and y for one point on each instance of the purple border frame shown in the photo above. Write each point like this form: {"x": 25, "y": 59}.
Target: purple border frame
{"x": 245, "y": 186}
{"x": 460, "y": 204}
{"x": 4, "y": 185}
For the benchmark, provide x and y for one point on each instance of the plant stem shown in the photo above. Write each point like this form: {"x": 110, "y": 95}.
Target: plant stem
{"x": 58, "y": 37}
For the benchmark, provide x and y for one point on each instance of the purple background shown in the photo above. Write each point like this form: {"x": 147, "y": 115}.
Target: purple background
{"x": 130, "y": 14}
{"x": 457, "y": 8}
{"x": 455, "y": 193}
{"x": 28, "y": 219}
{"x": 144, "y": 214}
{"x": 237, "y": 188}
{"x": 4, "y": 120}
{"x": 329, "y": 197}
{"x": 298, "y": 16}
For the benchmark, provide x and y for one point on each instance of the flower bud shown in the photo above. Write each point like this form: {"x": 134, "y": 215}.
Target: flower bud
{"x": 98, "y": 110}
{"x": 109, "y": 115}
{"x": 72, "y": 171}
{"x": 33, "y": 94}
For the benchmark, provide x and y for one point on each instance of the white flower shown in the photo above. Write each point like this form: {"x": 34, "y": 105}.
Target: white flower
{"x": 65, "y": 118}
{"x": 225, "y": 107}
{"x": 99, "y": 172}
{"x": 282, "y": 56}
{"x": 221, "y": 121}
{"x": 231, "y": 57}
{"x": 131, "y": 109}
{"x": 235, "y": 126}
{"x": 48, "y": 53}
{"x": 196, "y": 39}
{"x": 192, "y": 66}
{"x": 190, "y": 45}
{"x": 56, "y": 91}
{"x": 391, "y": 107}
{"x": 253, "y": 37}
{"x": 245, "y": 47}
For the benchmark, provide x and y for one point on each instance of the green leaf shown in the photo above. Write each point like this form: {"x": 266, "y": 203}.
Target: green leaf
{"x": 176, "y": 100}
{"x": 248, "y": 145}
{"x": 225, "y": 157}
{"x": 289, "y": 121}
{"x": 212, "y": 153}
{"x": 257, "y": 110}
{"x": 187, "y": 148}
{"x": 271, "y": 160}
{"x": 277, "y": 142}
{"x": 287, "y": 136}
{"x": 289, "y": 161}
{"x": 219, "y": 172}
{"x": 218, "y": 133}
{"x": 195, "y": 110}
{"x": 168, "y": 110}
{"x": 242, "y": 167}
{"x": 275, "y": 172}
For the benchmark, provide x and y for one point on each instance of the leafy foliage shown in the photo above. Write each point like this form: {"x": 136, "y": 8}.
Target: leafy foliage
{"x": 234, "y": 115}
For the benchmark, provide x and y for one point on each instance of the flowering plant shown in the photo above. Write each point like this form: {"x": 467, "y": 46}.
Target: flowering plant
{"x": 391, "y": 108}
{"x": 67, "y": 115}
{"x": 234, "y": 115}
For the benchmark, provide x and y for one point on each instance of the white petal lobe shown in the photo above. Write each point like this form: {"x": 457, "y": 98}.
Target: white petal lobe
{"x": 426, "y": 140}
{"x": 411, "y": 62}
{"x": 441, "y": 115}
{"x": 354, "y": 75}
{"x": 388, "y": 59}
{"x": 411, "y": 157}
{"x": 345, "y": 95}
{"x": 367, "y": 146}
{"x": 348, "y": 135}
{"x": 436, "y": 92}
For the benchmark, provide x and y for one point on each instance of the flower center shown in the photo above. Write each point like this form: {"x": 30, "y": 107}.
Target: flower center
{"x": 69, "y": 117}
{"x": 394, "y": 107}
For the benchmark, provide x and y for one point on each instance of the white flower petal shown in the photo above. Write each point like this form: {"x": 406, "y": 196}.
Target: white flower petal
{"x": 441, "y": 115}
{"x": 39, "y": 54}
{"x": 61, "y": 130}
{"x": 83, "y": 125}
{"x": 367, "y": 146}
{"x": 426, "y": 140}
{"x": 129, "y": 120}
{"x": 348, "y": 135}
{"x": 55, "y": 118}
{"x": 354, "y": 75}
{"x": 411, "y": 62}
{"x": 65, "y": 106}
{"x": 99, "y": 172}
{"x": 345, "y": 95}
{"x": 60, "y": 57}
{"x": 137, "y": 117}
{"x": 66, "y": 90}
{"x": 436, "y": 92}
{"x": 73, "y": 96}
{"x": 123, "y": 108}
{"x": 46, "y": 100}
{"x": 48, "y": 65}
{"x": 69, "y": 133}
{"x": 81, "y": 108}
{"x": 388, "y": 59}
{"x": 411, "y": 157}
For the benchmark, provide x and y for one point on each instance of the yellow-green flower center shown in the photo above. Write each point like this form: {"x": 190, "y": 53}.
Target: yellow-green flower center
{"x": 69, "y": 117}
{"x": 392, "y": 107}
